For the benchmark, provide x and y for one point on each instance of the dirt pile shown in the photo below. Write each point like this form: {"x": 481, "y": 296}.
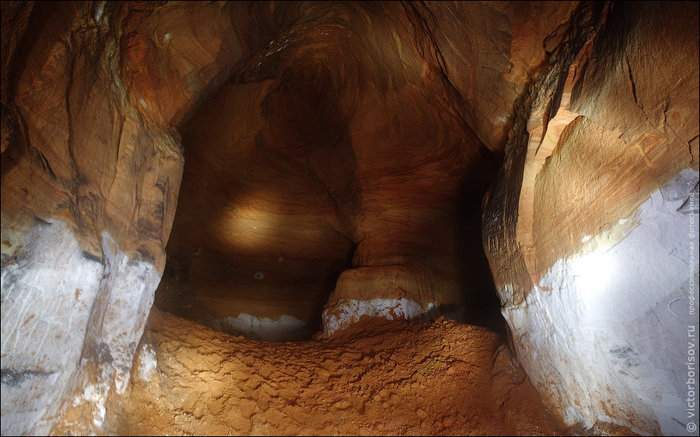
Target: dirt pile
{"x": 378, "y": 378}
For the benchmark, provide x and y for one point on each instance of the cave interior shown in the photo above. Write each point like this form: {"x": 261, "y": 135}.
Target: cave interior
{"x": 296, "y": 217}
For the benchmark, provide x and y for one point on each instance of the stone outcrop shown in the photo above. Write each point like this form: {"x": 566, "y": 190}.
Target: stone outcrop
{"x": 91, "y": 168}
{"x": 591, "y": 228}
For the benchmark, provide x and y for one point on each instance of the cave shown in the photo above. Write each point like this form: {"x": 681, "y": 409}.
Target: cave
{"x": 315, "y": 218}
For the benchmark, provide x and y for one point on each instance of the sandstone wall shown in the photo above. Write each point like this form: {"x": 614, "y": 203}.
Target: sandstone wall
{"x": 91, "y": 167}
{"x": 591, "y": 230}
{"x": 351, "y": 141}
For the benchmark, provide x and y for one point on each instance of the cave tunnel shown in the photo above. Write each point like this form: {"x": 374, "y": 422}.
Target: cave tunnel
{"x": 282, "y": 195}
{"x": 319, "y": 218}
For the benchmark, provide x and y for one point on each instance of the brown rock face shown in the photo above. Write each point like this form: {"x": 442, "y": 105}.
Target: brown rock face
{"x": 318, "y": 158}
{"x": 591, "y": 225}
{"x": 91, "y": 168}
{"x": 307, "y": 164}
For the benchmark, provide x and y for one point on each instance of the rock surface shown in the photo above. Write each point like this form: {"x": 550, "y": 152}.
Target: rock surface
{"x": 583, "y": 243}
{"x": 317, "y": 159}
{"x": 91, "y": 169}
{"x": 334, "y": 159}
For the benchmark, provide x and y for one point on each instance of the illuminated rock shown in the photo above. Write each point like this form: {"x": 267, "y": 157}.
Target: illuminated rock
{"x": 590, "y": 230}
{"x": 322, "y": 162}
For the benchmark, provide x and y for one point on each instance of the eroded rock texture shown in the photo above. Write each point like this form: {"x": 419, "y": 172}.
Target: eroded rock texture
{"x": 591, "y": 228}
{"x": 334, "y": 153}
{"x": 333, "y": 158}
{"x": 330, "y": 152}
{"x": 91, "y": 168}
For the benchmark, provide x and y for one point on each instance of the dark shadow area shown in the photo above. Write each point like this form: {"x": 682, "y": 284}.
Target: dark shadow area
{"x": 483, "y": 308}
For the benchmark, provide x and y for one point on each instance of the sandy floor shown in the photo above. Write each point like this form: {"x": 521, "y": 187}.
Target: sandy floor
{"x": 380, "y": 378}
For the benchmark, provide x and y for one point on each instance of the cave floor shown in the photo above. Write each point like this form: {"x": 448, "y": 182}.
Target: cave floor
{"x": 377, "y": 378}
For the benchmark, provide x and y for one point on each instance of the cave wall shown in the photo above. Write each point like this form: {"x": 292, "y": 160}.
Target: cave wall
{"x": 395, "y": 106}
{"x": 317, "y": 160}
{"x": 91, "y": 168}
{"x": 591, "y": 229}
{"x": 93, "y": 96}
{"x": 379, "y": 161}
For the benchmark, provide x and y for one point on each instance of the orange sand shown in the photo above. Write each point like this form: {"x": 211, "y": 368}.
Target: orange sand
{"x": 379, "y": 378}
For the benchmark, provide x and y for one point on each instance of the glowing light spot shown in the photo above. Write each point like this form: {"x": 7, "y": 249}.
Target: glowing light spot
{"x": 166, "y": 37}
{"x": 248, "y": 224}
{"x": 593, "y": 274}
{"x": 585, "y": 238}
{"x": 142, "y": 102}
{"x": 99, "y": 11}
